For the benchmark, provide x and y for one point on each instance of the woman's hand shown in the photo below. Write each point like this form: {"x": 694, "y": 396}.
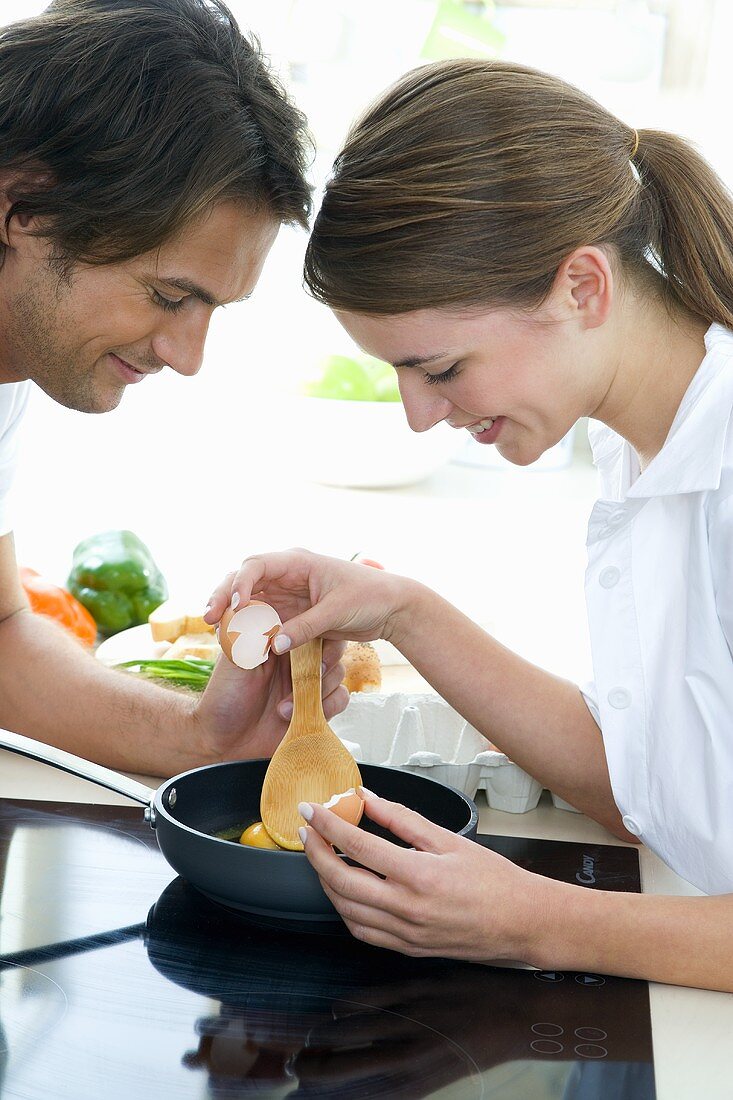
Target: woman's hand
{"x": 446, "y": 896}
{"x": 316, "y": 596}
{"x": 245, "y": 713}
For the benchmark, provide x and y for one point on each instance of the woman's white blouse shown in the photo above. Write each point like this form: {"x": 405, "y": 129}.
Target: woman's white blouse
{"x": 659, "y": 591}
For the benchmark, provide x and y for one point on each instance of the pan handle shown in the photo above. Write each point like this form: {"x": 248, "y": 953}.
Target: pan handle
{"x": 76, "y": 765}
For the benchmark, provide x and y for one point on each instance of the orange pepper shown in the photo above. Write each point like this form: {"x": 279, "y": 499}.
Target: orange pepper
{"x": 58, "y": 604}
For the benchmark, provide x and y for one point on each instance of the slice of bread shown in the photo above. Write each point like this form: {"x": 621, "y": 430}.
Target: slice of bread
{"x": 194, "y": 645}
{"x": 169, "y": 621}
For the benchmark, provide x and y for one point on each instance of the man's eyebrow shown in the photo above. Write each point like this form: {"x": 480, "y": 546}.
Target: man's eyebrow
{"x": 192, "y": 288}
{"x": 419, "y": 360}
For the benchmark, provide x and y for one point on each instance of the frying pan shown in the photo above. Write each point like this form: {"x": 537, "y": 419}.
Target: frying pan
{"x": 188, "y": 811}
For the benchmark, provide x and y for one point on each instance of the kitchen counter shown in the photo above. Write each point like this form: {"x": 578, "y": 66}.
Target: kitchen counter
{"x": 691, "y": 1027}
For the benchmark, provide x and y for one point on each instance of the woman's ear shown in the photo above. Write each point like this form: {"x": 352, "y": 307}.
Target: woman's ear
{"x": 584, "y": 286}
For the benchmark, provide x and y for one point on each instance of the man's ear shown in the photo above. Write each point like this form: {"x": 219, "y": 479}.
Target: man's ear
{"x": 584, "y": 286}
{"x": 11, "y": 184}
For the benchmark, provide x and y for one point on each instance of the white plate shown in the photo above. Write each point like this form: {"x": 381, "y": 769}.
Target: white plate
{"x": 136, "y": 644}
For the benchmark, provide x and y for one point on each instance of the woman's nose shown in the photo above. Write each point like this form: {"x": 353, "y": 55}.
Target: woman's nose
{"x": 423, "y": 410}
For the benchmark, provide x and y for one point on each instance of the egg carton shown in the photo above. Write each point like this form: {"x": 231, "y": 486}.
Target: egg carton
{"x": 421, "y": 733}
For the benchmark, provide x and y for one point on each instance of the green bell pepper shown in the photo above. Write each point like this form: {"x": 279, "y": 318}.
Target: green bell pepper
{"x": 113, "y": 574}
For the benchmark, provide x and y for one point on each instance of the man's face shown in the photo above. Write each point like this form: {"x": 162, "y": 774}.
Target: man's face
{"x": 84, "y": 337}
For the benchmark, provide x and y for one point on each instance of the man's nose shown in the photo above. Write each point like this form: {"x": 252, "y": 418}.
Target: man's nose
{"x": 423, "y": 410}
{"x": 180, "y": 341}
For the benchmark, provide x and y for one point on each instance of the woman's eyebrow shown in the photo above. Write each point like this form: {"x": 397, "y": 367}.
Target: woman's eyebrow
{"x": 420, "y": 360}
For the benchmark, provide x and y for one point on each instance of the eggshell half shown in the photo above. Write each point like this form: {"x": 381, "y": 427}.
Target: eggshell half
{"x": 349, "y": 806}
{"x": 246, "y": 633}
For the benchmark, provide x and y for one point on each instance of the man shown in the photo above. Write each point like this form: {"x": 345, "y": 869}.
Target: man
{"x": 147, "y": 161}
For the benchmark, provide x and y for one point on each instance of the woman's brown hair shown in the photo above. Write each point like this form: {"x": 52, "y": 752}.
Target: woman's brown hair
{"x": 120, "y": 120}
{"x": 468, "y": 182}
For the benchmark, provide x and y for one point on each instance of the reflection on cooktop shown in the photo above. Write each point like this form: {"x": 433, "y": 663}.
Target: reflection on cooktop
{"x": 118, "y": 983}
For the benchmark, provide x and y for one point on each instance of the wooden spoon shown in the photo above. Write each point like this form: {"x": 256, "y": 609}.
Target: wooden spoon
{"x": 310, "y": 764}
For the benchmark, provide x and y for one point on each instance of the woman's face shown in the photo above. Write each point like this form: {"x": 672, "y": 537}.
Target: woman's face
{"x": 533, "y": 373}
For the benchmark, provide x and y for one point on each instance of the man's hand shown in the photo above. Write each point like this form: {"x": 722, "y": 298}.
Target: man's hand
{"x": 244, "y": 714}
{"x": 52, "y": 690}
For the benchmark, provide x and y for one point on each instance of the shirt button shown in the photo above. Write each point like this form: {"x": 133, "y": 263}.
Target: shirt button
{"x": 619, "y": 698}
{"x": 616, "y": 518}
{"x": 609, "y": 576}
{"x": 631, "y": 825}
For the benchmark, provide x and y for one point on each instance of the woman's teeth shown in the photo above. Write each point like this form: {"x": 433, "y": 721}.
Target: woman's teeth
{"x": 482, "y": 426}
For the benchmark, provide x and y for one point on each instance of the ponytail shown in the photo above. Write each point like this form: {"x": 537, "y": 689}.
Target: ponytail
{"x": 688, "y": 213}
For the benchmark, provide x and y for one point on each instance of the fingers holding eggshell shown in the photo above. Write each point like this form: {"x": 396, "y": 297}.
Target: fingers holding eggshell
{"x": 246, "y": 633}
{"x": 237, "y": 587}
{"x": 363, "y": 899}
{"x": 292, "y": 574}
{"x": 410, "y": 826}
{"x": 259, "y": 571}
{"x": 372, "y": 852}
{"x": 219, "y": 600}
{"x": 349, "y": 806}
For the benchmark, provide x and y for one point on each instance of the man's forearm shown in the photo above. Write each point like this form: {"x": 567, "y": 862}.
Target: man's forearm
{"x": 54, "y": 691}
{"x": 538, "y": 719}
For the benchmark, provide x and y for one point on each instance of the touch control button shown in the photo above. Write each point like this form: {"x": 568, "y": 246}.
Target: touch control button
{"x": 590, "y": 979}
{"x": 631, "y": 825}
{"x": 546, "y": 1046}
{"x": 551, "y": 1030}
{"x": 548, "y": 976}
{"x": 594, "y": 1033}
{"x": 609, "y": 576}
{"x": 591, "y": 1050}
{"x": 619, "y": 698}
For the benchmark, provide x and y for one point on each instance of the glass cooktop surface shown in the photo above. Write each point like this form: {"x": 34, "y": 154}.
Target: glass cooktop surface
{"x": 119, "y": 980}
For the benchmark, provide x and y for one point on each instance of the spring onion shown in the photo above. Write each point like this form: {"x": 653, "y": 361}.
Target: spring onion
{"x": 193, "y": 672}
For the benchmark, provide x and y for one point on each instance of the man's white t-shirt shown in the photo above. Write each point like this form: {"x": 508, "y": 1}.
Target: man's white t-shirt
{"x": 659, "y": 592}
{"x": 13, "y": 401}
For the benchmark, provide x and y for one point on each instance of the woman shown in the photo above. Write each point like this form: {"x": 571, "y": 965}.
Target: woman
{"x": 524, "y": 259}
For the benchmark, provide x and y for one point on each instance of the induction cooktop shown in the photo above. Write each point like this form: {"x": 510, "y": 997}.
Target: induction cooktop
{"x": 118, "y": 981}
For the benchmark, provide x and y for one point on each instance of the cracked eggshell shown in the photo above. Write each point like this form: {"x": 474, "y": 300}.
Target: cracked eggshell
{"x": 246, "y": 633}
{"x": 349, "y": 806}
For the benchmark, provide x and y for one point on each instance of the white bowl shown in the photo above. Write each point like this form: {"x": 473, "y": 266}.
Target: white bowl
{"x": 367, "y": 444}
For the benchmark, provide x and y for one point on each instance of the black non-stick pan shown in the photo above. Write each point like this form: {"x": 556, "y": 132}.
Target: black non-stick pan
{"x": 189, "y": 810}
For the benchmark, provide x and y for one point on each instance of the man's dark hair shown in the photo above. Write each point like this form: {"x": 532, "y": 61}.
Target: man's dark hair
{"x": 120, "y": 120}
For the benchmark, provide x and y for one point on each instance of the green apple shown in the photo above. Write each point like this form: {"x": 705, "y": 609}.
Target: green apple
{"x": 387, "y": 388}
{"x": 384, "y": 378}
{"x": 342, "y": 379}
{"x": 362, "y": 378}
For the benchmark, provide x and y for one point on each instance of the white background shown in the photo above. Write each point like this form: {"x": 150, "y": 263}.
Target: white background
{"x": 206, "y": 470}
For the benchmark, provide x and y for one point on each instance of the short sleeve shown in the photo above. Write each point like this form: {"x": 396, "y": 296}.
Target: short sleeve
{"x": 590, "y": 698}
{"x": 13, "y": 402}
